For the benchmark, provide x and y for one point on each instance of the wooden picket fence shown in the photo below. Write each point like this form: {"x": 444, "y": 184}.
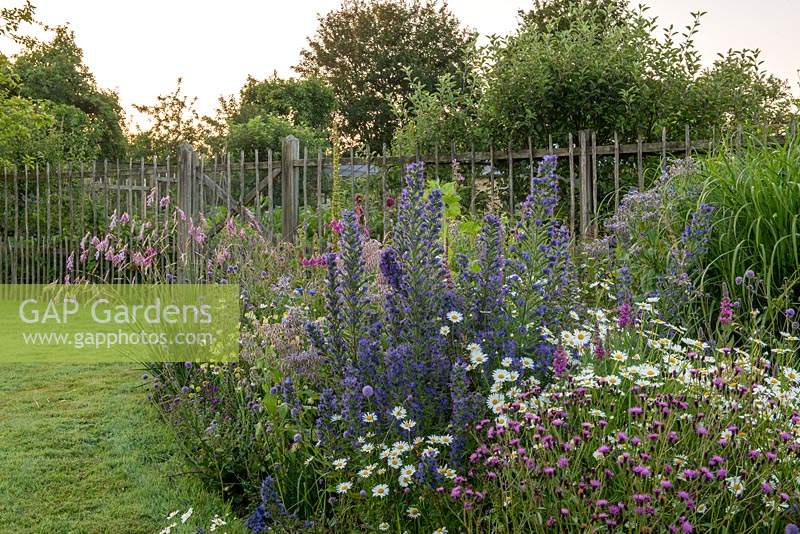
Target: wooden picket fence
{"x": 48, "y": 209}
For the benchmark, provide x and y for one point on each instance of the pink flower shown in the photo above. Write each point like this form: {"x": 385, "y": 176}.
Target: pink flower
{"x": 625, "y": 317}
{"x": 336, "y": 226}
{"x": 725, "y": 309}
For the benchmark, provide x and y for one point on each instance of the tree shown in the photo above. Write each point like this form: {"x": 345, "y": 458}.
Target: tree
{"x": 304, "y": 101}
{"x": 368, "y": 51}
{"x": 268, "y": 110}
{"x": 588, "y": 74}
{"x": 50, "y": 106}
{"x": 173, "y": 120}
{"x": 550, "y": 16}
{"x": 54, "y": 71}
{"x": 438, "y": 120}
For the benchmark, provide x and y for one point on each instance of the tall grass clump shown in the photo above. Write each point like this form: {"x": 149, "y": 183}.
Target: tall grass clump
{"x": 756, "y": 229}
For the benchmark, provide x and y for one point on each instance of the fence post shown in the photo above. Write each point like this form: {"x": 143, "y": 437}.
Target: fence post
{"x": 290, "y": 187}
{"x": 187, "y": 201}
{"x": 586, "y": 181}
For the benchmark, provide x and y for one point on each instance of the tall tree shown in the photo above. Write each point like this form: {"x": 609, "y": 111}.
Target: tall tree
{"x": 368, "y": 51}
{"x": 550, "y": 16}
{"x": 173, "y": 120}
{"x": 303, "y": 101}
{"x": 54, "y": 71}
{"x": 578, "y": 70}
{"x": 50, "y": 105}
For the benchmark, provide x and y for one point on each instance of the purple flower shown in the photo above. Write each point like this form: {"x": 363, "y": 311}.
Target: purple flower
{"x": 725, "y": 310}
{"x": 560, "y": 362}
{"x": 642, "y": 471}
{"x": 625, "y": 316}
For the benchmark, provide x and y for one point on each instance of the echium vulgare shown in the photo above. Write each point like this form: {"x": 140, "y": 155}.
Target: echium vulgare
{"x": 351, "y": 344}
{"x": 399, "y": 359}
{"x": 539, "y": 278}
{"x": 419, "y": 295}
{"x": 483, "y": 285}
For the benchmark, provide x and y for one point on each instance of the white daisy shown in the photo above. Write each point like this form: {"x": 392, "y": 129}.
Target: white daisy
{"x": 381, "y": 490}
{"x": 407, "y": 425}
{"x": 398, "y": 412}
{"x": 500, "y": 375}
{"x": 340, "y": 463}
{"x": 454, "y": 317}
{"x": 369, "y": 417}
{"x": 496, "y": 402}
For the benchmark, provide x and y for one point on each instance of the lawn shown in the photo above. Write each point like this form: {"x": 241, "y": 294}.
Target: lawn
{"x": 82, "y": 451}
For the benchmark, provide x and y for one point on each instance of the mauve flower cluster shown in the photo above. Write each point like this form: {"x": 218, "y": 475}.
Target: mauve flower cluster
{"x": 661, "y": 431}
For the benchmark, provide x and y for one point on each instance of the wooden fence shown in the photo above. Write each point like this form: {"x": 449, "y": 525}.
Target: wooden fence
{"x": 48, "y": 209}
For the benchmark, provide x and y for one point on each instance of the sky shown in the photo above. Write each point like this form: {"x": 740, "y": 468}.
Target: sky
{"x": 140, "y": 48}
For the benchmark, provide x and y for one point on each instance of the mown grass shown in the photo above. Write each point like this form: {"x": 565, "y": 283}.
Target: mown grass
{"x": 81, "y": 451}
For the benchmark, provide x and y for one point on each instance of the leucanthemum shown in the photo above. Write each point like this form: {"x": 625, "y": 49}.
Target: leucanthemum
{"x": 366, "y": 472}
{"x": 380, "y": 490}
{"x": 478, "y": 357}
{"x": 496, "y": 402}
{"x": 369, "y": 417}
{"x": 501, "y": 375}
{"x": 454, "y": 317}
{"x": 399, "y": 413}
{"x": 408, "y": 425}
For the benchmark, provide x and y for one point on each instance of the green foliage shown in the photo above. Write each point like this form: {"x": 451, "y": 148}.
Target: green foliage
{"x": 173, "y": 120}
{"x": 50, "y": 105}
{"x": 550, "y": 16}
{"x": 369, "y": 50}
{"x": 622, "y": 78}
{"x": 54, "y": 71}
{"x": 447, "y": 113}
{"x": 600, "y": 66}
{"x": 12, "y": 17}
{"x": 24, "y": 131}
{"x": 757, "y": 195}
{"x": 266, "y": 112}
{"x": 304, "y": 101}
{"x": 266, "y": 132}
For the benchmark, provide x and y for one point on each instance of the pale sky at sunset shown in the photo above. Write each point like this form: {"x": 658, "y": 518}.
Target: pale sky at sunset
{"x": 140, "y": 48}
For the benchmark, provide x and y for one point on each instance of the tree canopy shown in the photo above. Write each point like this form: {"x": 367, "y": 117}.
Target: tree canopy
{"x": 586, "y": 64}
{"x": 368, "y": 51}
{"x": 50, "y": 105}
